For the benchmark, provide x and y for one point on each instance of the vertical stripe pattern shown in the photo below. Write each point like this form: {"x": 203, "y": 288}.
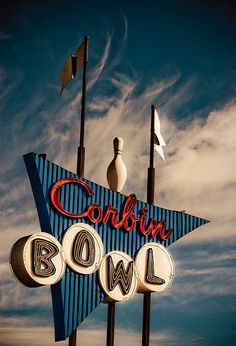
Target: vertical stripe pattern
{"x": 76, "y": 295}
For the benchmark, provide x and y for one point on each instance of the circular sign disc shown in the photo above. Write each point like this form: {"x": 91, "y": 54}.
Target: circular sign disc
{"x": 37, "y": 260}
{"x": 118, "y": 276}
{"x": 155, "y": 267}
{"x": 83, "y": 248}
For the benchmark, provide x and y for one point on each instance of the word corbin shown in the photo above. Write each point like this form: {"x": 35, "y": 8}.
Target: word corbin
{"x": 95, "y": 215}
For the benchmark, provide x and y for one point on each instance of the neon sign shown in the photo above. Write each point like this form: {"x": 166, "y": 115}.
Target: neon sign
{"x": 115, "y": 255}
{"x": 128, "y": 219}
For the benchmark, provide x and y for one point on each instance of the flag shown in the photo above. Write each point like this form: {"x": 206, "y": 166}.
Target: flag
{"x": 158, "y": 139}
{"x": 72, "y": 66}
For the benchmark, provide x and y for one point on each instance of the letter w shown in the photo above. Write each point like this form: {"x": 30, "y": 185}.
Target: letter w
{"x": 119, "y": 276}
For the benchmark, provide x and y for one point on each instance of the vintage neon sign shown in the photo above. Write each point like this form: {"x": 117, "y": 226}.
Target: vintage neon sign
{"x": 123, "y": 226}
{"x": 128, "y": 220}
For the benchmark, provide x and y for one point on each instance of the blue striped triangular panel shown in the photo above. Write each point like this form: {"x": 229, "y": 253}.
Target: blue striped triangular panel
{"x": 76, "y": 296}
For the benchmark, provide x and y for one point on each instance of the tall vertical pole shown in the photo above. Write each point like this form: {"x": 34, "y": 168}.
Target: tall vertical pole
{"x": 72, "y": 338}
{"x": 81, "y": 148}
{"x": 151, "y": 169}
{"x": 110, "y": 323}
{"x": 150, "y": 199}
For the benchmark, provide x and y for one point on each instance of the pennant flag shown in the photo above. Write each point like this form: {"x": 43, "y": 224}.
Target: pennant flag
{"x": 158, "y": 139}
{"x": 75, "y": 296}
{"x": 72, "y": 66}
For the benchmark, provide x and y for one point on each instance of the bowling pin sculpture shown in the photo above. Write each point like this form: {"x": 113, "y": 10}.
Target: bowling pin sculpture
{"x": 116, "y": 171}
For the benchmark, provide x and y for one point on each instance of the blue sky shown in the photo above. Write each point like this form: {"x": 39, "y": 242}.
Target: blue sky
{"x": 179, "y": 55}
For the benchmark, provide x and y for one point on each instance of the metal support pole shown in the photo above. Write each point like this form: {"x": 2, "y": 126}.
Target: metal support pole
{"x": 81, "y": 148}
{"x": 110, "y": 323}
{"x": 146, "y": 318}
{"x": 150, "y": 199}
{"x": 72, "y": 338}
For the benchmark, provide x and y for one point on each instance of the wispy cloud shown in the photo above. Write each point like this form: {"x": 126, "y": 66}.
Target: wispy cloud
{"x": 5, "y": 36}
{"x": 125, "y": 37}
{"x": 95, "y": 336}
{"x": 9, "y": 81}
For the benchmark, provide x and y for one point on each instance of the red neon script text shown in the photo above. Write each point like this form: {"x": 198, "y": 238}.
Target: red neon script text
{"x": 94, "y": 213}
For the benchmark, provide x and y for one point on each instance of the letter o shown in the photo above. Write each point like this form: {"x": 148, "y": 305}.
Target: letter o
{"x": 83, "y": 248}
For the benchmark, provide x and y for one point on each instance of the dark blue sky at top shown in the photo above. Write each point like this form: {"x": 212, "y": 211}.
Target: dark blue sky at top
{"x": 194, "y": 38}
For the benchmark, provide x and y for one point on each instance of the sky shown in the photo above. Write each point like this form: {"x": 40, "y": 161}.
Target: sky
{"x": 178, "y": 55}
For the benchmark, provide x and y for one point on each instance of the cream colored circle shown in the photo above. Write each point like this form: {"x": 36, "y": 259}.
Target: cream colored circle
{"x": 23, "y": 267}
{"x": 163, "y": 267}
{"x": 117, "y": 294}
{"x": 67, "y": 244}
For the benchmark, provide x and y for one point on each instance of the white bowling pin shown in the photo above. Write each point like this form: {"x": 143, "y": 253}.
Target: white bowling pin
{"x": 116, "y": 171}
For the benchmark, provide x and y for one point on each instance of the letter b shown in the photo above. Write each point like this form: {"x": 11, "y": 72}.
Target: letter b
{"x": 37, "y": 260}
